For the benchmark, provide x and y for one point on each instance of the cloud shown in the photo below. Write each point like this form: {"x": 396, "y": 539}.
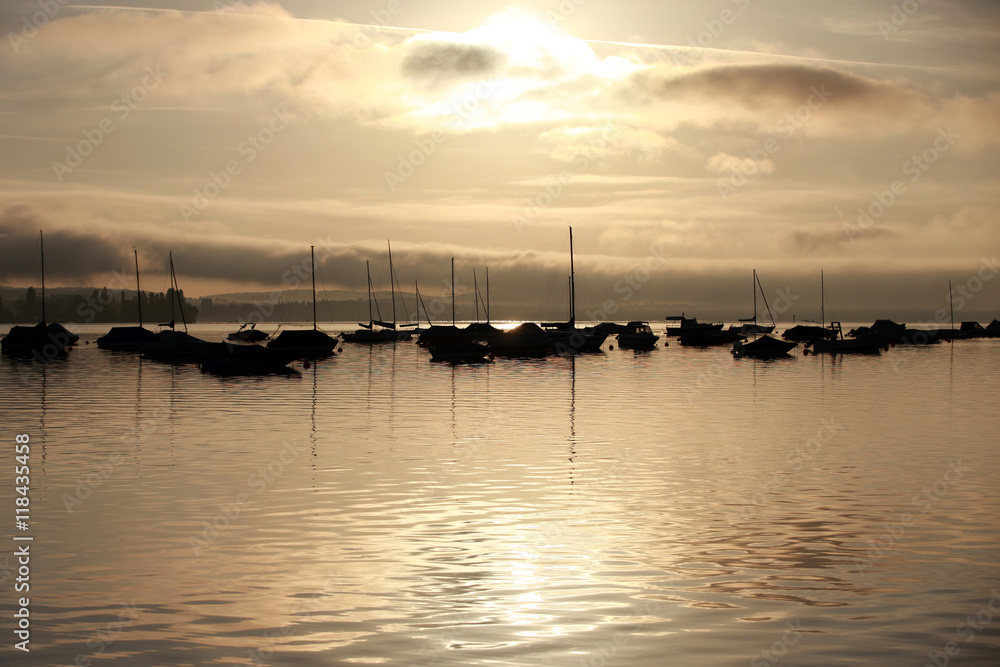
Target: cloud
{"x": 436, "y": 61}
{"x": 70, "y": 255}
{"x": 787, "y": 99}
{"x": 726, "y": 164}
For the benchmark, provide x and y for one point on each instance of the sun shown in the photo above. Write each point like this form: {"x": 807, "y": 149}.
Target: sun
{"x": 535, "y": 60}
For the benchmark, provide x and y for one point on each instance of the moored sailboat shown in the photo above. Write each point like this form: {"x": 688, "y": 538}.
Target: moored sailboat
{"x": 306, "y": 343}
{"x": 174, "y": 346}
{"x": 129, "y": 339}
{"x": 44, "y": 340}
{"x": 751, "y": 326}
{"x": 565, "y": 336}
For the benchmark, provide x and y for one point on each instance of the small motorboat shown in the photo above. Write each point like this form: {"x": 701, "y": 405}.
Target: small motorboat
{"x": 248, "y": 333}
{"x": 869, "y": 343}
{"x": 637, "y": 335}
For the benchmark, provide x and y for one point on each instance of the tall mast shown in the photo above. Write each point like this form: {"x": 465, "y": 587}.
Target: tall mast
{"x": 420, "y": 301}
{"x": 392, "y": 285}
{"x": 951, "y": 305}
{"x": 170, "y": 267}
{"x": 371, "y": 320}
{"x": 416, "y": 290}
{"x": 822, "y": 301}
{"x": 475, "y": 288}
{"x": 177, "y": 293}
{"x": 764, "y": 297}
{"x": 572, "y": 282}
{"x": 452, "y": 291}
{"x": 41, "y": 243}
{"x": 138, "y": 291}
{"x": 487, "y": 295}
{"x": 312, "y": 265}
{"x": 755, "y": 298}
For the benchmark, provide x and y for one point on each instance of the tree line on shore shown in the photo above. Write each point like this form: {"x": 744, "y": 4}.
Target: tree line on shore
{"x": 101, "y": 305}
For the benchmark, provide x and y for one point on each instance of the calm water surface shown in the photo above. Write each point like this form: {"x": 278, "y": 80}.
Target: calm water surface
{"x": 671, "y": 507}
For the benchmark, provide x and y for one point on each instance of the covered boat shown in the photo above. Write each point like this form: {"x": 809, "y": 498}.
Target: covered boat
{"x": 764, "y": 347}
{"x": 41, "y": 341}
{"x": 126, "y": 339}
{"x": 524, "y": 340}
{"x": 248, "y": 359}
{"x": 462, "y": 353}
{"x": 306, "y": 343}
{"x": 129, "y": 339}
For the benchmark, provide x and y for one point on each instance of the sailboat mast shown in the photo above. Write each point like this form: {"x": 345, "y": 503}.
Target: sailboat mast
{"x": 177, "y": 292}
{"x": 170, "y": 266}
{"x": 951, "y": 305}
{"x": 138, "y": 291}
{"x": 764, "y": 297}
{"x": 312, "y": 265}
{"x": 420, "y": 300}
{"x": 487, "y": 295}
{"x": 392, "y": 285}
{"x": 475, "y": 288}
{"x": 452, "y": 291}
{"x": 368, "y": 273}
{"x": 822, "y": 301}
{"x": 572, "y": 282}
{"x": 416, "y": 290}
{"x": 41, "y": 243}
{"x": 755, "y": 298}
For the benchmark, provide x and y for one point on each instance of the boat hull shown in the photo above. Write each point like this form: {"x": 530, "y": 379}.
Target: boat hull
{"x": 42, "y": 341}
{"x": 764, "y": 347}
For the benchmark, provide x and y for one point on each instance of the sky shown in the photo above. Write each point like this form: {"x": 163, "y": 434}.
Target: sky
{"x": 687, "y": 144}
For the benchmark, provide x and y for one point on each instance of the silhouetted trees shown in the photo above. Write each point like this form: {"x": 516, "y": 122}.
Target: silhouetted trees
{"x": 101, "y": 305}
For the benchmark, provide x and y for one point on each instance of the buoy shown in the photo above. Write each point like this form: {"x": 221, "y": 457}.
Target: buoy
{"x": 666, "y": 343}
{"x": 611, "y": 347}
{"x": 305, "y": 364}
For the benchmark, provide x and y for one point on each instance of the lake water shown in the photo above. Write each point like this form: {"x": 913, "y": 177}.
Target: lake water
{"x": 670, "y": 507}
